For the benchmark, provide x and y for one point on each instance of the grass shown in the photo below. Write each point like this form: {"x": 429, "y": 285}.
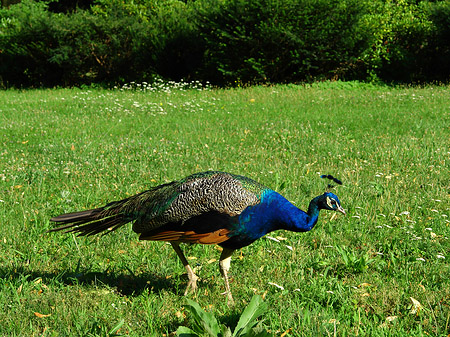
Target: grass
{"x": 70, "y": 149}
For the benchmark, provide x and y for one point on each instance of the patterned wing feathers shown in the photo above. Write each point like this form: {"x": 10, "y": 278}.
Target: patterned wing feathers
{"x": 196, "y": 195}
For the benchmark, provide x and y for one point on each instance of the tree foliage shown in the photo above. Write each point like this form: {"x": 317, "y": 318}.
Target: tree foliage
{"x": 224, "y": 41}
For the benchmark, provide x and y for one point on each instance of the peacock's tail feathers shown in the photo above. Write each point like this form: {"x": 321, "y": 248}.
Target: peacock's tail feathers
{"x": 89, "y": 222}
{"x": 112, "y": 216}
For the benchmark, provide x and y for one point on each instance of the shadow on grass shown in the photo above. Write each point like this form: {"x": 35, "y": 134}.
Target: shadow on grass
{"x": 124, "y": 284}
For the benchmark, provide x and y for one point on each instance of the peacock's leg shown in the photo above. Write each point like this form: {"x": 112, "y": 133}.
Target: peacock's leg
{"x": 192, "y": 283}
{"x": 224, "y": 263}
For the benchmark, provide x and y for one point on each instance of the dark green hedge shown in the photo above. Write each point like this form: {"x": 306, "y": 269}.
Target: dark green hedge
{"x": 43, "y": 48}
{"x": 225, "y": 41}
{"x": 279, "y": 40}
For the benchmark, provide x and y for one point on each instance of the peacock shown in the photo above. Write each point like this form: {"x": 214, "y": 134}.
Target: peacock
{"x": 210, "y": 207}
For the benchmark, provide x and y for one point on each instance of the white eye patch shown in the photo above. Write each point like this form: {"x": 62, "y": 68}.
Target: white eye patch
{"x": 330, "y": 202}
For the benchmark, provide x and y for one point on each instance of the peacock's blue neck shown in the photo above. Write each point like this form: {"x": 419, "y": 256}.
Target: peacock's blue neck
{"x": 273, "y": 213}
{"x": 292, "y": 218}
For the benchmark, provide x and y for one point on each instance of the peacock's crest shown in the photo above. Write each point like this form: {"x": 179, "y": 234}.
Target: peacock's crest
{"x": 329, "y": 176}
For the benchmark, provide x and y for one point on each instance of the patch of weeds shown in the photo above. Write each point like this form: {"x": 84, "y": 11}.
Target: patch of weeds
{"x": 205, "y": 324}
{"x": 352, "y": 262}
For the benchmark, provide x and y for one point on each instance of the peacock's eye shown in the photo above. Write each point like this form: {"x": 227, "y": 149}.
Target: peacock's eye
{"x": 331, "y": 202}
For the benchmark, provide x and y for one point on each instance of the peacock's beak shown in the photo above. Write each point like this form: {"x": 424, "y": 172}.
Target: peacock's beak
{"x": 340, "y": 209}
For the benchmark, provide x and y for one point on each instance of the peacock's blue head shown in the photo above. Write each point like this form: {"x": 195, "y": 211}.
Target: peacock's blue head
{"x": 330, "y": 202}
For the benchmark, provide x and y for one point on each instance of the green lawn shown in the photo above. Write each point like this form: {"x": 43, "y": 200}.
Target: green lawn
{"x": 71, "y": 149}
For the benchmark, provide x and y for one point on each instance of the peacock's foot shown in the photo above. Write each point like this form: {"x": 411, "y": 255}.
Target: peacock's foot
{"x": 192, "y": 284}
{"x": 230, "y": 300}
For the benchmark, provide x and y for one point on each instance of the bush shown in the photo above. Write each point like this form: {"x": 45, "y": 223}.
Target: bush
{"x": 180, "y": 49}
{"x": 438, "y": 65}
{"x": 225, "y": 41}
{"x": 278, "y": 40}
{"x": 25, "y": 43}
{"x": 40, "y": 48}
{"x": 398, "y": 32}
{"x": 93, "y": 48}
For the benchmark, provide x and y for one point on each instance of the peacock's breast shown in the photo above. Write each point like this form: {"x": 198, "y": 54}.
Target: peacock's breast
{"x": 254, "y": 222}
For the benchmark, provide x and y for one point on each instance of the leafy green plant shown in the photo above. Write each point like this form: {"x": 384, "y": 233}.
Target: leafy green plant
{"x": 206, "y": 324}
{"x": 352, "y": 261}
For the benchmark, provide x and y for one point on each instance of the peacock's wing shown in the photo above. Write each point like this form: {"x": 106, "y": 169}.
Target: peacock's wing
{"x": 212, "y": 194}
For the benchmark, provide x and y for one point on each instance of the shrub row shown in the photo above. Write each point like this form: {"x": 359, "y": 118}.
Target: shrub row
{"x": 225, "y": 41}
